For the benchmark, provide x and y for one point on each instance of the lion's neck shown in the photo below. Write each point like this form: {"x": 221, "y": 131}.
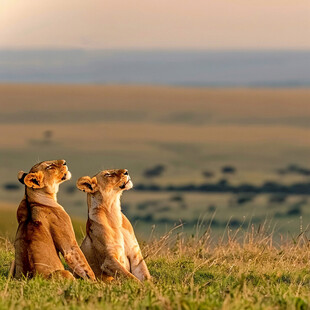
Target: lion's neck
{"x": 105, "y": 210}
{"x": 35, "y": 197}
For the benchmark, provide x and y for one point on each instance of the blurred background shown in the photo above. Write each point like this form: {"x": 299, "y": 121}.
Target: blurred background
{"x": 206, "y": 103}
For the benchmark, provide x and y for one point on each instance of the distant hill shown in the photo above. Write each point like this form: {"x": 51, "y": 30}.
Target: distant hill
{"x": 186, "y": 68}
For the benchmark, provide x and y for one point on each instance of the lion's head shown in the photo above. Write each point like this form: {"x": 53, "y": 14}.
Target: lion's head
{"x": 106, "y": 181}
{"x": 46, "y": 175}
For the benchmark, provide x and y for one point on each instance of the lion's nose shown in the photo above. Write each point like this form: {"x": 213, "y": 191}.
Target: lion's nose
{"x": 126, "y": 172}
{"x": 65, "y": 163}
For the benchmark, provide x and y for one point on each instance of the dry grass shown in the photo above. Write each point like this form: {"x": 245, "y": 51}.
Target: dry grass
{"x": 240, "y": 270}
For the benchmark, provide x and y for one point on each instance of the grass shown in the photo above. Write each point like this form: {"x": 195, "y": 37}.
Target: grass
{"x": 244, "y": 270}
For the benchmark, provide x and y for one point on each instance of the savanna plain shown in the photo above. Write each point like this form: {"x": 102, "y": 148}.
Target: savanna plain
{"x": 221, "y": 198}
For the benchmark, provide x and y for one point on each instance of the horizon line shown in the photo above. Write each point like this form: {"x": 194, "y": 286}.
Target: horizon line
{"x": 14, "y": 49}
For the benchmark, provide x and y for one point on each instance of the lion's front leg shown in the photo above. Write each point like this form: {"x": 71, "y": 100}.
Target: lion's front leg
{"x": 61, "y": 274}
{"x": 64, "y": 239}
{"x": 132, "y": 249}
{"x": 111, "y": 266}
{"x": 77, "y": 262}
{"x": 137, "y": 265}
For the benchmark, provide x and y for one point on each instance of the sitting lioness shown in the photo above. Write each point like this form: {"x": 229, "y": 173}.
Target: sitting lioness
{"x": 110, "y": 245}
{"x": 45, "y": 229}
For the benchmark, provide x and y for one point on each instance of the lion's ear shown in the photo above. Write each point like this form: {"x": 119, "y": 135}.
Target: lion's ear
{"x": 87, "y": 184}
{"x": 34, "y": 180}
{"x": 21, "y": 176}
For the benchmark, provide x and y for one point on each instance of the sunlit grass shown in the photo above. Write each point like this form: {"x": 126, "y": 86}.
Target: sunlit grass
{"x": 244, "y": 269}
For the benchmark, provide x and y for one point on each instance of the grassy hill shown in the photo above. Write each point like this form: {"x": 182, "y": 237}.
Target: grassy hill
{"x": 245, "y": 272}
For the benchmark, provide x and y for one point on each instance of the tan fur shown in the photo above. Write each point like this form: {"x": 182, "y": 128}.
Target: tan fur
{"x": 110, "y": 245}
{"x": 45, "y": 229}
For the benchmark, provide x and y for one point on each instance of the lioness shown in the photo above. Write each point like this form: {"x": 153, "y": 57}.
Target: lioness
{"x": 45, "y": 229}
{"x": 110, "y": 245}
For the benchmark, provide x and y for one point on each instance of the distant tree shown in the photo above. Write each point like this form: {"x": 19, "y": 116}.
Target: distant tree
{"x": 296, "y": 210}
{"x": 278, "y": 198}
{"x": 212, "y": 208}
{"x": 235, "y": 223}
{"x": 298, "y": 170}
{"x": 155, "y": 171}
{"x": 207, "y": 174}
{"x": 240, "y": 199}
{"x": 294, "y": 169}
{"x": 148, "y": 218}
{"x": 222, "y": 182}
{"x": 228, "y": 169}
{"x": 176, "y": 198}
{"x": 244, "y": 199}
{"x": 11, "y": 186}
{"x": 216, "y": 223}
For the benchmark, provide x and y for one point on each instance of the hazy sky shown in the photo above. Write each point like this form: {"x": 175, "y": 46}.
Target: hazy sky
{"x": 216, "y": 24}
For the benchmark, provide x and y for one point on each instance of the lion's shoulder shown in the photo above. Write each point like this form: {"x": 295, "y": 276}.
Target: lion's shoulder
{"x": 22, "y": 211}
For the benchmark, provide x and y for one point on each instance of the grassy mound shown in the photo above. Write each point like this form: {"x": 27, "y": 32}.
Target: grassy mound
{"x": 245, "y": 271}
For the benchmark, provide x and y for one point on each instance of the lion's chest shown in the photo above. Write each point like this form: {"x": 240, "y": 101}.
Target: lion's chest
{"x": 116, "y": 246}
{"x": 111, "y": 244}
{"x": 119, "y": 254}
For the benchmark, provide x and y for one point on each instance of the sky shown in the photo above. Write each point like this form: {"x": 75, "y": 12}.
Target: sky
{"x": 155, "y": 24}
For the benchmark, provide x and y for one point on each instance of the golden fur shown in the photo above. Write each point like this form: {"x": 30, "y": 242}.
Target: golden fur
{"x": 45, "y": 229}
{"x": 110, "y": 245}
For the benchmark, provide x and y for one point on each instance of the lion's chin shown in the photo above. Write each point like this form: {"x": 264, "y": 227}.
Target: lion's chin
{"x": 67, "y": 176}
{"x": 128, "y": 185}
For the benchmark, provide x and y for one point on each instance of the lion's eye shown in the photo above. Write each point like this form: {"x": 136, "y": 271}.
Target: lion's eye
{"x": 107, "y": 175}
{"x": 49, "y": 167}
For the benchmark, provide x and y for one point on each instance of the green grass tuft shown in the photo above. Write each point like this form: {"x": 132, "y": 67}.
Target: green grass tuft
{"x": 189, "y": 274}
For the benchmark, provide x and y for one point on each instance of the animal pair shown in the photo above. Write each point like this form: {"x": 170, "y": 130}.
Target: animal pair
{"x": 45, "y": 229}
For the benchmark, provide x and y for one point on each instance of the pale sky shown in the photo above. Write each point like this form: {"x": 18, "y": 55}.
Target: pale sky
{"x": 160, "y": 24}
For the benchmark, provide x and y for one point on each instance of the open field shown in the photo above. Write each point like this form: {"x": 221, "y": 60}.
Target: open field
{"x": 247, "y": 271}
{"x": 235, "y": 249}
{"x": 188, "y": 131}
